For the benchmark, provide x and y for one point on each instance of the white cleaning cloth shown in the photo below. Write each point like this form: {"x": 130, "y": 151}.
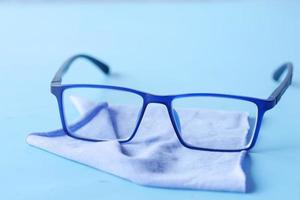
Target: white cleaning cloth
{"x": 155, "y": 157}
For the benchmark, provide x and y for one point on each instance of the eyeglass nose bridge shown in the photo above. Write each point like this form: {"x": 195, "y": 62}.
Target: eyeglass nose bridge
{"x": 160, "y": 99}
{"x": 165, "y": 100}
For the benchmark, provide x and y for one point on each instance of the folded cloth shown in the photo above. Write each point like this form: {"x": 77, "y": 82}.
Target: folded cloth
{"x": 154, "y": 157}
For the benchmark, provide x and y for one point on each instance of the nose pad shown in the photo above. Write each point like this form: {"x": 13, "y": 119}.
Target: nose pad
{"x": 155, "y": 123}
{"x": 177, "y": 120}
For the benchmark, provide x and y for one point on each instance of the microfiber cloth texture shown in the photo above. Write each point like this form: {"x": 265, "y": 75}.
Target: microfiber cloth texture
{"x": 154, "y": 157}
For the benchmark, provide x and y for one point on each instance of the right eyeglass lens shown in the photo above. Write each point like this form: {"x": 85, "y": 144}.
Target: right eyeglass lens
{"x": 215, "y": 122}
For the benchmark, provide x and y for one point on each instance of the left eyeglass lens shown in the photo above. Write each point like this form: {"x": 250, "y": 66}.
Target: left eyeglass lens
{"x": 101, "y": 113}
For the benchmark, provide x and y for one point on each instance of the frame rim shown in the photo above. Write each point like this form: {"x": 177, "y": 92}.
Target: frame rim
{"x": 263, "y": 104}
{"x": 167, "y": 100}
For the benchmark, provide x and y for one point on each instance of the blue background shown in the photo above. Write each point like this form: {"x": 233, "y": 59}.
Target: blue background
{"x": 164, "y": 48}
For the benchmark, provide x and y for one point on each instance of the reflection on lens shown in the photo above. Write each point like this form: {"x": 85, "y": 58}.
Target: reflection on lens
{"x": 101, "y": 114}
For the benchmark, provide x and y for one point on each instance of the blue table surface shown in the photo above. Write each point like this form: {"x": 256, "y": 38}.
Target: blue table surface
{"x": 164, "y": 48}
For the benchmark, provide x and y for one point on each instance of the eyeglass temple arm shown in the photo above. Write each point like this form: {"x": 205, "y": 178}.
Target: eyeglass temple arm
{"x": 65, "y": 67}
{"x": 285, "y": 83}
{"x": 275, "y": 96}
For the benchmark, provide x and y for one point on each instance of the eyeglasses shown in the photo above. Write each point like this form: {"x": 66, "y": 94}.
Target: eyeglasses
{"x": 202, "y": 121}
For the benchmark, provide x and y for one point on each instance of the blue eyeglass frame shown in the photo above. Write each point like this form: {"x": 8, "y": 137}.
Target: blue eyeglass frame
{"x": 263, "y": 105}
